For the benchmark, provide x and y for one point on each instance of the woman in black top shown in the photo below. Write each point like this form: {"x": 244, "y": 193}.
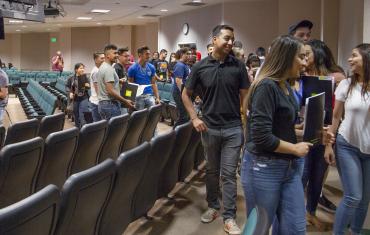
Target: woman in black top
{"x": 78, "y": 86}
{"x": 273, "y": 164}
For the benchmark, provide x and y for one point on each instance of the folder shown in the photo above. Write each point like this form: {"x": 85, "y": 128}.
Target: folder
{"x": 313, "y": 85}
{"x": 314, "y": 118}
{"x": 133, "y": 90}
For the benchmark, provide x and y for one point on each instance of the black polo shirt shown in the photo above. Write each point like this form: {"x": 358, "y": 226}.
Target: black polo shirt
{"x": 219, "y": 84}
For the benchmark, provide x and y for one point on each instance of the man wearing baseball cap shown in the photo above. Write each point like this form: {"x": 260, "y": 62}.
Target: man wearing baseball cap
{"x": 301, "y": 30}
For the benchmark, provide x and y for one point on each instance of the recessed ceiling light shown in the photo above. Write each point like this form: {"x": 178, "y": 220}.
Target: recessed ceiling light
{"x": 100, "y": 11}
{"x": 16, "y": 21}
{"x": 197, "y": 1}
{"x": 164, "y": 10}
{"x": 84, "y": 18}
{"x": 24, "y": 26}
{"x": 99, "y": 23}
{"x": 18, "y": 30}
{"x": 140, "y": 17}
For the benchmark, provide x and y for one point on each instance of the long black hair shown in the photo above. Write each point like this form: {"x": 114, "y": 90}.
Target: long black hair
{"x": 323, "y": 58}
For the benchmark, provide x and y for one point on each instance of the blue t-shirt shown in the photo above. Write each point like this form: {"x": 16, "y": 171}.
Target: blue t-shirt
{"x": 142, "y": 76}
{"x": 4, "y": 82}
{"x": 298, "y": 95}
{"x": 180, "y": 70}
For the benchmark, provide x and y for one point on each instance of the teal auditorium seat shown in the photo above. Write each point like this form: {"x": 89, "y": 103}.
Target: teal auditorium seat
{"x": 169, "y": 110}
{"x": 36, "y": 100}
{"x": 257, "y": 222}
{"x": 59, "y": 90}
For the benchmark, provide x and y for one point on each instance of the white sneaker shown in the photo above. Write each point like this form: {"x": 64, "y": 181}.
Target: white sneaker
{"x": 231, "y": 227}
{"x": 209, "y": 216}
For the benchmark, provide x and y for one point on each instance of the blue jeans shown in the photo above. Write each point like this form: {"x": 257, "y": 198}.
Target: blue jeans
{"x": 79, "y": 108}
{"x": 222, "y": 150}
{"x": 275, "y": 185}
{"x": 95, "y": 112}
{"x": 2, "y": 113}
{"x": 109, "y": 109}
{"x": 144, "y": 101}
{"x": 315, "y": 167}
{"x": 354, "y": 171}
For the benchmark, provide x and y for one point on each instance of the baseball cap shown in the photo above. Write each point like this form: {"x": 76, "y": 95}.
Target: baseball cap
{"x": 238, "y": 44}
{"x": 302, "y": 23}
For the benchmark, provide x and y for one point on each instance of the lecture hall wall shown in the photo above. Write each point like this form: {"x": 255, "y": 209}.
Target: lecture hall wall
{"x": 32, "y": 51}
{"x": 342, "y": 24}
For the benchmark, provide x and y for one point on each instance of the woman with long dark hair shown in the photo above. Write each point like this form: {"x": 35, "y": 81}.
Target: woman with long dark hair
{"x": 78, "y": 86}
{"x": 320, "y": 62}
{"x": 273, "y": 159}
{"x": 352, "y": 148}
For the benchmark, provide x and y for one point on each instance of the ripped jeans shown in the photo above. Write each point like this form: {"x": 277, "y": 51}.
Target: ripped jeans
{"x": 275, "y": 185}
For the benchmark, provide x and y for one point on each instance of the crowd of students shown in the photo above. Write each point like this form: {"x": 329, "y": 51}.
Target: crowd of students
{"x": 277, "y": 167}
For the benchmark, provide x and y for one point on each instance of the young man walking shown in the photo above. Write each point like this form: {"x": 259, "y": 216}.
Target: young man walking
{"x": 223, "y": 81}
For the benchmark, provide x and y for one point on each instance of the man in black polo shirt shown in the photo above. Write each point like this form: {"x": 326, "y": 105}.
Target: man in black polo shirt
{"x": 223, "y": 82}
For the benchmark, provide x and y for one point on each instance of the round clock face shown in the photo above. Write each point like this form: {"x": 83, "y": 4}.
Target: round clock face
{"x": 185, "y": 28}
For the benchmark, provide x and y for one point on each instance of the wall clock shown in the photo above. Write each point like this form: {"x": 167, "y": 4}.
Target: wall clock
{"x": 185, "y": 29}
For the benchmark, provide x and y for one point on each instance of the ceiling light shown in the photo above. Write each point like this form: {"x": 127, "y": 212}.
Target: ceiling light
{"x": 59, "y": 25}
{"x": 197, "y": 1}
{"x": 18, "y": 30}
{"x": 24, "y": 26}
{"x": 164, "y": 10}
{"x": 100, "y": 11}
{"x": 99, "y": 23}
{"x": 15, "y": 21}
{"x": 83, "y": 18}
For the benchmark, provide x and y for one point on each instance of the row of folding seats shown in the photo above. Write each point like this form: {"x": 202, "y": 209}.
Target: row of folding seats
{"x": 22, "y": 77}
{"x": 169, "y": 110}
{"x": 59, "y": 90}
{"x": 105, "y": 198}
{"x": 36, "y": 100}
{"x": 29, "y": 129}
{"x": 70, "y": 151}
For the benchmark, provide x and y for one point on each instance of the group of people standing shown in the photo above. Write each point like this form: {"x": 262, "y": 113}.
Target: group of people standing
{"x": 112, "y": 70}
{"x": 276, "y": 166}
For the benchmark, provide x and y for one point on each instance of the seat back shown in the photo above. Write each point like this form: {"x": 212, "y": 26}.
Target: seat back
{"x": 22, "y": 131}
{"x": 187, "y": 160}
{"x": 130, "y": 169}
{"x": 151, "y": 123}
{"x": 170, "y": 172}
{"x": 147, "y": 192}
{"x": 257, "y": 222}
{"x": 85, "y": 195}
{"x": 50, "y": 124}
{"x": 117, "y": 127}
{"x": 2, "y": 135}
{"x": 60, "y": 147}
{"x": 136, "y": 125}
{"x": 36, "y": 214}
{"x": 90, "y": 141}
{"x": 19, "y": 167}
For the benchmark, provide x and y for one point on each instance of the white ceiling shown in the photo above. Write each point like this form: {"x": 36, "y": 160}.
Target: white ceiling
{"x": 123, "y": 12}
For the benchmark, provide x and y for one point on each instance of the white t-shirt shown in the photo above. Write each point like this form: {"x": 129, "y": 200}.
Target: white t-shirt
{"x": 94, "y": 96}
{"x": 355, "y": 127}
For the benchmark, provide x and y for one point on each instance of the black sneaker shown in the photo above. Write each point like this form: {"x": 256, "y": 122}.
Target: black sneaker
{"x": 326, "y": 205}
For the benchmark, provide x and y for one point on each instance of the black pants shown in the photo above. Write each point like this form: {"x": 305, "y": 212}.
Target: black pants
{"x": 183, "y": 114}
